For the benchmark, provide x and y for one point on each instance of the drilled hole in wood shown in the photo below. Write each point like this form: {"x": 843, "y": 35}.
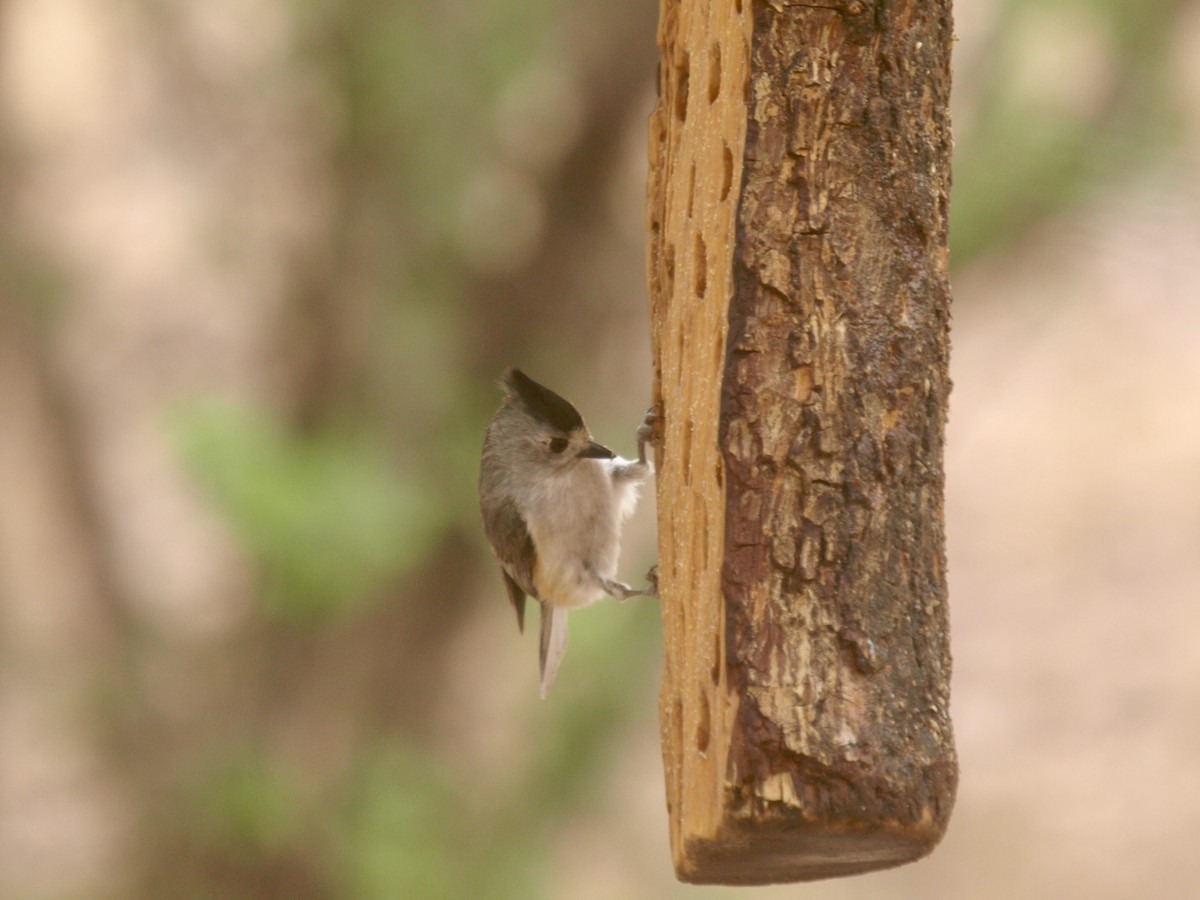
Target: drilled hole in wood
{"x": 677, "y": 720}
{"x": 686, "y": 450}
{"x": 669, "y": 265}
{"x": 700, "y": 262}
{"x": 715, "y": 672}
{"x": 714, "y": 72}
{"x": 681, "y": 89}
{"x": 726, "y": 171}
{"x": 704, "y": 726}
{"x": 679, "y": 348}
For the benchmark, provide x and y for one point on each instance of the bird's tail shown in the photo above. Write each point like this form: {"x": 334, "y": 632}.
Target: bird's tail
{"x": 553, "y": 644}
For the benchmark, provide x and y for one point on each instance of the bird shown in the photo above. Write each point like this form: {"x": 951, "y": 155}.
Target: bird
{"x": 553, "y": 501}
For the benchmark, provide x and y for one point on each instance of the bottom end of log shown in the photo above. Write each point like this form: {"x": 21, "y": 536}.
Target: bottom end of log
{"x": 739, "y": 857}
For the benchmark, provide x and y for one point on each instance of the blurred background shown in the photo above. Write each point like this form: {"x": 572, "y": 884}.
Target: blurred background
{"x": 261, "y": 263}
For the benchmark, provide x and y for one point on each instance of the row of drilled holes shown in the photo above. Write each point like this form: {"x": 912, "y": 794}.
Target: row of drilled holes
{"x": 700, "y": 249}
{"x": 700, "y": 286}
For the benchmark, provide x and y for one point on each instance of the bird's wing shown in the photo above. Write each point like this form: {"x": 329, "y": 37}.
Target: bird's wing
{"x": 513, "y": 545}
{"x": 516, "y": 597}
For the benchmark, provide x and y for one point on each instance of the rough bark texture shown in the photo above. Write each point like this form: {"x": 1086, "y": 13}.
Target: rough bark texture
{"x": 799, "y": 178}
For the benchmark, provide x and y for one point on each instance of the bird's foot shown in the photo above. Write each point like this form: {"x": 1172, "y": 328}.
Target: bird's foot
{"x": 650, "y": 431}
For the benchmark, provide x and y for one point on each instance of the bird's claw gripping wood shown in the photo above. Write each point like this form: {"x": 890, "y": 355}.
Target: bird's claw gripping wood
{"x": 623, "y": 591}
{"x": 652, "y": 578}
{"x": 649, "y": 432}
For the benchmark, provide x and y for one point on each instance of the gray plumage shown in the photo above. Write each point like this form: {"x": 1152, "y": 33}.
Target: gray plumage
{"x": 553, "y": 501}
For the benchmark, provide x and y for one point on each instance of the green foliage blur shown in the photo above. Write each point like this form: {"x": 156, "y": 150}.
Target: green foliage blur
{"x": 326, "y": 517}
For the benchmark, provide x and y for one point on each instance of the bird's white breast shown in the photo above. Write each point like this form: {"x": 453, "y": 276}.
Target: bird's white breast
{"x": 575, "y": 522}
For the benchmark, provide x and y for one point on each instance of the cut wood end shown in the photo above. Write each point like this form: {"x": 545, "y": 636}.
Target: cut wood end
{"x": 761, "y": 854}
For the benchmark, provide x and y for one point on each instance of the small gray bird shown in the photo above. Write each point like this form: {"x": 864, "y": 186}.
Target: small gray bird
{"x": 553, "y": 501}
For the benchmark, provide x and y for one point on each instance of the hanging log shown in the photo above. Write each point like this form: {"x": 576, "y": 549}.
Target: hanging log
{"x": 798, "y": 190}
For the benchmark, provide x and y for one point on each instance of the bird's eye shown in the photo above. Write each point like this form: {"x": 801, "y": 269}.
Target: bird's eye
{"x": 558, "y": 445}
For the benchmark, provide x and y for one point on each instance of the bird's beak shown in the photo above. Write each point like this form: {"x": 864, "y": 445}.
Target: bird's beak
{"x": 596, "y": 451}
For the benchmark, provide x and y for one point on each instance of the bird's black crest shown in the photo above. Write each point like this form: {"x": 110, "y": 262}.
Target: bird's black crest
{"x": 542, "y": 402}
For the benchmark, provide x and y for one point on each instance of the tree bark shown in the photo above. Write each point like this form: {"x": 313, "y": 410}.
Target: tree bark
{"x": 798, "y": 191}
